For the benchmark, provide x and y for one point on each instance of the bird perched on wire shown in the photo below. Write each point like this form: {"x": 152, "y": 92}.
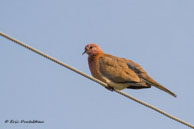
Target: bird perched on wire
{"x": 118, "y": 73}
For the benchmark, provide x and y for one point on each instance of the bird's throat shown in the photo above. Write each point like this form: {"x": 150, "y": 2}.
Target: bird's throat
{"x": 91, "y": 58}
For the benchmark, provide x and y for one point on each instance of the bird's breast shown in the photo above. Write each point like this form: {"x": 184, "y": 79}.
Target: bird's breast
{"x": 94, "y": 67}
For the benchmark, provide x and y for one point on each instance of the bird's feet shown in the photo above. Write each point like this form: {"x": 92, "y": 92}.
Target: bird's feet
{"x": 110, "y": 88}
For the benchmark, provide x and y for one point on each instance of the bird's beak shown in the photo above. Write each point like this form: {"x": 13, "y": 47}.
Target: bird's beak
{"x": 84, "y": 52}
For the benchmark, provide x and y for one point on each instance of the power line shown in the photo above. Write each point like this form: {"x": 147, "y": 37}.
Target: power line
{"x": 94, "y": 79}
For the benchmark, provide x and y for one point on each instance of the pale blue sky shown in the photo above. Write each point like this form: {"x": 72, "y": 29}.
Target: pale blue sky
{"x": 159, "y": 35}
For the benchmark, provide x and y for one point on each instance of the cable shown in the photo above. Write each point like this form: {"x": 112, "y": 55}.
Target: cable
{"x": 94, "y": 79}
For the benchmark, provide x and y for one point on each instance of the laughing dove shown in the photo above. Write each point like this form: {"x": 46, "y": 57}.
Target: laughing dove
{"x": 118, "y": 73}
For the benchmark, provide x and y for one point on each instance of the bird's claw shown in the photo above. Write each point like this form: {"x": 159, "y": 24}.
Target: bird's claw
{"x": 110, "y": 88}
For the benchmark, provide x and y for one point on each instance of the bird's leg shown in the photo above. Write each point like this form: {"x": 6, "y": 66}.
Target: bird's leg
{"x": 110, "y": 88}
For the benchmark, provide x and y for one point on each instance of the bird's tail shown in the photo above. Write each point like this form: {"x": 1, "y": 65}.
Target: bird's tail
{"x": 157, "y": 85}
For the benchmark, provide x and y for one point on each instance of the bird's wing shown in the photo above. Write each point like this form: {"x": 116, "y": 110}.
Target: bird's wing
{"x": 116, "y": 69}
{"x": 135, "y": 67}
{"x": 142, "y": 74}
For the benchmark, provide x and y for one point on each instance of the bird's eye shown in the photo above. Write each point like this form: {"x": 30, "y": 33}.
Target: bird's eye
{"x": 91, "y": 47}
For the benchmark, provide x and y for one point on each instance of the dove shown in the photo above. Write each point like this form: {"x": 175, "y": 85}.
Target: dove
{"x": 119, "y": 73}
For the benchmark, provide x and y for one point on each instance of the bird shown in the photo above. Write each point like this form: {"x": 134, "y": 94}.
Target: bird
{"x": 119, "y": 73}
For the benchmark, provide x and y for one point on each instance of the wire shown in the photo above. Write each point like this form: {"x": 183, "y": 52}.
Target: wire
{"x": 94, "y": 79}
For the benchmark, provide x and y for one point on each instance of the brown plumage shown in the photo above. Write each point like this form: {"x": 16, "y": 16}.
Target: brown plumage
{"x": 119, "y": 73}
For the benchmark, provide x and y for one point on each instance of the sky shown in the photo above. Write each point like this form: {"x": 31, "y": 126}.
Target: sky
{"x": 159, "y": 35}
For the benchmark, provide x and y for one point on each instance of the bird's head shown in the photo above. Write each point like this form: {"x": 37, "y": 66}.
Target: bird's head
{"x": 92, "y": 49}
